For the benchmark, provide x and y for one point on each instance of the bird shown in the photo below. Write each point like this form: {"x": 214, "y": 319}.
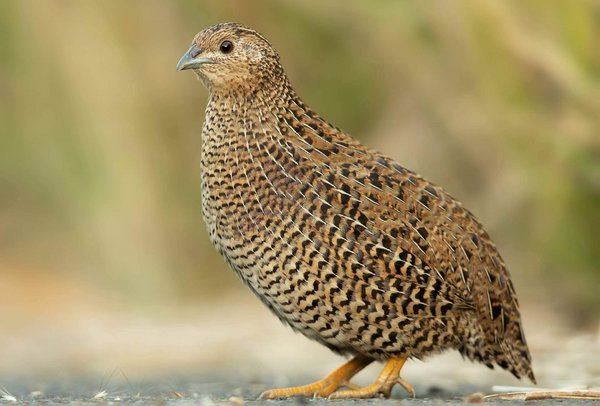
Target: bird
{"x": 342, "y": 243}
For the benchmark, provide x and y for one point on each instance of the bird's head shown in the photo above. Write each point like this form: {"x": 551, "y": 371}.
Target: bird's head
{"x": 230, "y": 56}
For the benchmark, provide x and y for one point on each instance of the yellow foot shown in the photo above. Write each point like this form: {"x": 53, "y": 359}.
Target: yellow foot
{"x": 325, "y": 387}
{"x": 389, "y": 376}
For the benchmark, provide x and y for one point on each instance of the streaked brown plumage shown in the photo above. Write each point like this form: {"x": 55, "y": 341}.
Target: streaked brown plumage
{"x": 339, "y": 241}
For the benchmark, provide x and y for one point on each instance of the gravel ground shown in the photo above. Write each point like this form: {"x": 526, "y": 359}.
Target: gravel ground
{"x": 213, "y": 392}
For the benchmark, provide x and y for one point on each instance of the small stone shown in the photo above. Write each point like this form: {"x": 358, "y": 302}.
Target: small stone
{"x": 476, "y": 397}
{"x": 236, "y": 400}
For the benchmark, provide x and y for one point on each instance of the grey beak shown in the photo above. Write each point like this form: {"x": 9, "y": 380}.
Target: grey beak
{"x": 190, "y": 59}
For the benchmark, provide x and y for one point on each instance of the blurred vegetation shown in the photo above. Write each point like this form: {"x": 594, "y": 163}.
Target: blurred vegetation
{"x": 99, "y": 136}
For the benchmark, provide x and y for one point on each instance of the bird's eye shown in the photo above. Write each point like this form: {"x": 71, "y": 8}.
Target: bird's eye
{"x": 226, "y": 47}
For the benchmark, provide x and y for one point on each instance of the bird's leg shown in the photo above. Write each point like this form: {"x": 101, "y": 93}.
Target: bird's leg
{"x": 389, "y": 376}
{"x": 326, "y": 386}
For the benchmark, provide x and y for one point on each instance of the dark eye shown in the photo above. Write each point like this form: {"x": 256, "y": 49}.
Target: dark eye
{"x": 226, "y": 47}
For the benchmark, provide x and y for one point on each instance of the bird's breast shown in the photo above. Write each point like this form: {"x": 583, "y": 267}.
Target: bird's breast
{"x": 244, "y": 196}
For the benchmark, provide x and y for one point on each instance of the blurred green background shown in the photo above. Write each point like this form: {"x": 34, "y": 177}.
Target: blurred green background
{"x": 499, "y": 102}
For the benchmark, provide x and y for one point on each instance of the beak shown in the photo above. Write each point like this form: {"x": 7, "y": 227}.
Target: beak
{"x": 189, "y": 60}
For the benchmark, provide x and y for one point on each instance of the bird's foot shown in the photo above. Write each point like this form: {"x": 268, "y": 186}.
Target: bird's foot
{"x": 389, "y": 376}
{"x": 322, "y": 388}
{"x": 325, "y": 387}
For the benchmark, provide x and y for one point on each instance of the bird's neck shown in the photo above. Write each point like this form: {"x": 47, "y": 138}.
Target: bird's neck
{"x": 263, "y": 94}
{"x": 258, "y": 106}
{"x": 270, "y": 117}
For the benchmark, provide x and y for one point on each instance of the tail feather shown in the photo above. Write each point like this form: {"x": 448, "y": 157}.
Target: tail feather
{"x": 515, "y": 353}
{"x": 509, "y": 352}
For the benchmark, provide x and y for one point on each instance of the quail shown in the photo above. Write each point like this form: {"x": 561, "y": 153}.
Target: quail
{"x": 339, "y": 241}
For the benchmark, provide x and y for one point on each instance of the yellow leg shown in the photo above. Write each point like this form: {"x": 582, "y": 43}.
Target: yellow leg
{"x": 389, "y": 376}
{"x": 325, "y": 387}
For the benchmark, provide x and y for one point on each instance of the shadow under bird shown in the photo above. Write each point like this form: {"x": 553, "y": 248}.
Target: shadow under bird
{"x": 339, "y": 241}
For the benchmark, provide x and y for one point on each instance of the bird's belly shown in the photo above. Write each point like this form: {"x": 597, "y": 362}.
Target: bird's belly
{"x": 272, "y": 263}
{"x": 274, "y": 254}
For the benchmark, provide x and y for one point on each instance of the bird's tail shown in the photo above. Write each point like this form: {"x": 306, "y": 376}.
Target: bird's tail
{"x": 510, "y": 353}
{"x": 513, "y": 353}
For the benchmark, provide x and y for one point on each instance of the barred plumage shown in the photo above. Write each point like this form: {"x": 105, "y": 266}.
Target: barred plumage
{"x": 339, "y": 241}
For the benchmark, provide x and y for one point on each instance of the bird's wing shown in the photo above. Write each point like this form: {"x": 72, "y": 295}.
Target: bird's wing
{"x": 415, "y": 237}
{"x": 402, "y": 232}
{"x": 405, "y": 240}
